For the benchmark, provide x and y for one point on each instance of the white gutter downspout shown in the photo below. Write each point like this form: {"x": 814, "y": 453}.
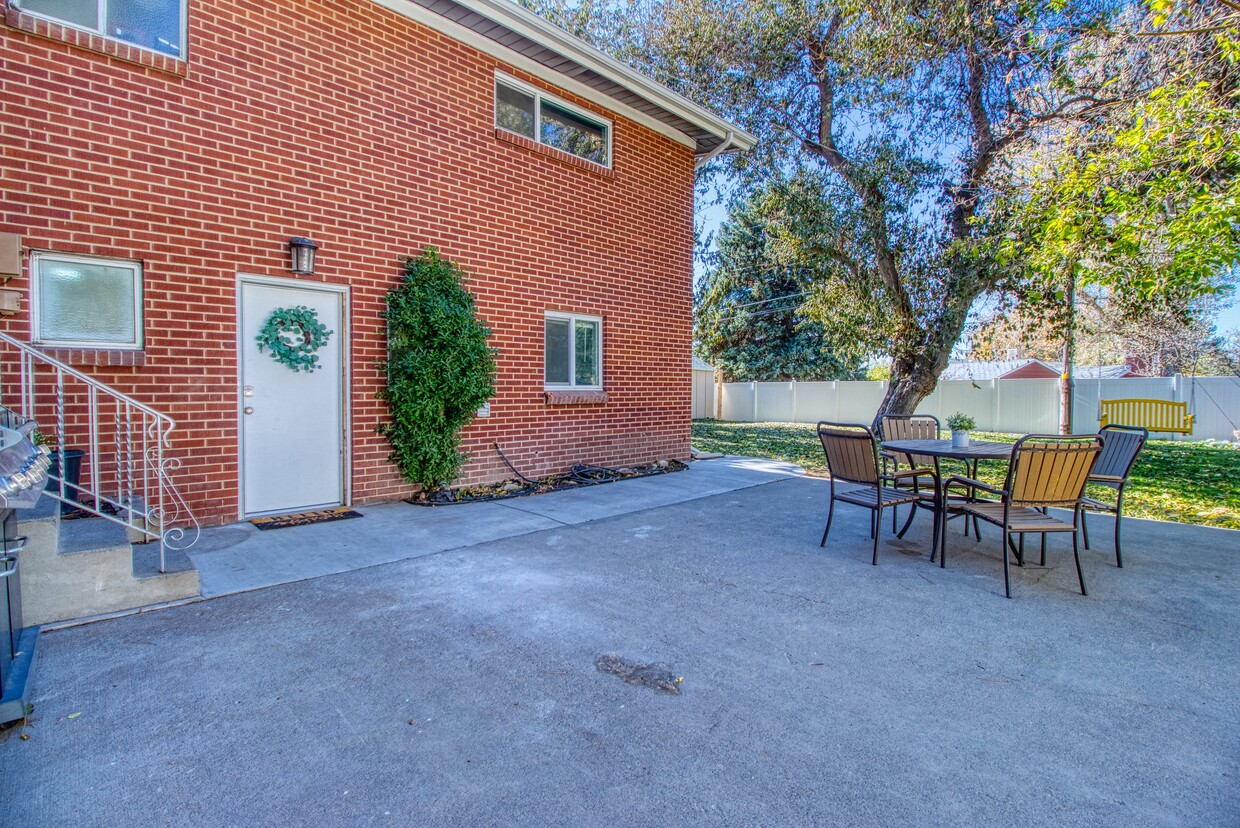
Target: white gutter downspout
{"x": 710, "y": 156}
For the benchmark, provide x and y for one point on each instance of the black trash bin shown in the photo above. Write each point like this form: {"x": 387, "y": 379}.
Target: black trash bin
{"x": 73, "y": 475}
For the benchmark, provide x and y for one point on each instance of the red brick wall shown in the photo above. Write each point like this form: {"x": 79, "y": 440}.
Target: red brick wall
{"x": 374, "y": 136}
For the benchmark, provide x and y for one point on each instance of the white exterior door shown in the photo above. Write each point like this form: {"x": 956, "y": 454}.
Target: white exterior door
{"x": 292, "y": 422}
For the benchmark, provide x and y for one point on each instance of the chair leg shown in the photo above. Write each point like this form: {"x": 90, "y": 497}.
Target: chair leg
{"x": 1076, "y": 553}
{"x": 1085, "y": 528}
{"x": 1007, "y": 579}
{"x": 1119, "y": 557}
{"x": 912, "y": 511}
{"x": 1043, "y": 563}
{"x": 977, "y": 531}
{"x": 874, "y": 524}
{"x": 830, "y": 514}
{"x": 1020, "y": 556}
{"x": 943, "y": 540}
{"x": 878, "y": 522}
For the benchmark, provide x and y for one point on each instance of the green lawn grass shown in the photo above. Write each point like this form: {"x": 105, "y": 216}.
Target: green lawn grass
{"x": 1183, "y": 481}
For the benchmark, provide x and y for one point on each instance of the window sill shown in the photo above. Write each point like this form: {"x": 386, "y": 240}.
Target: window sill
{"x": 95, "y": 356}
{"x": 552, "y": 152}
{"x": 569, "y": 397}
{"x": 94, "y": 42}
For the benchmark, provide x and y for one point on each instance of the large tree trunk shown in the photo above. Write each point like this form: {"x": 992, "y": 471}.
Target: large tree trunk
{"x": 911, "y": 382}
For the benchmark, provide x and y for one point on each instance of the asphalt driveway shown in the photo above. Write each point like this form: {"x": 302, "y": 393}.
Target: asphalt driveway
{"x": 461, "y": 688}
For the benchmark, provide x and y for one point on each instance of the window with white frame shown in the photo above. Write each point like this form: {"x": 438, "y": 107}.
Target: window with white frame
{"x": 547, "y": 120}
{"x": 158, "y": 25}
{"x": 84, "y": 301}
{"x": 573, "y": 351}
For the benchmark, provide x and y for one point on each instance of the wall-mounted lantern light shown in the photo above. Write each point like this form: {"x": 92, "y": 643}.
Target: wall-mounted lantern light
{"x": 303, "y": 254}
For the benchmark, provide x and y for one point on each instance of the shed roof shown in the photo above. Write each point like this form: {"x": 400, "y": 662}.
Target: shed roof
{"x": 702, "y": 365}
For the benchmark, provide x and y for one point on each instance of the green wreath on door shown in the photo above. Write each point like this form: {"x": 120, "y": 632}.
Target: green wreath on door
{"x": 292, "y": 335}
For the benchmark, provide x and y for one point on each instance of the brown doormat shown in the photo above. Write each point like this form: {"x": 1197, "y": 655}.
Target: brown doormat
{"x": 305, "y": 518}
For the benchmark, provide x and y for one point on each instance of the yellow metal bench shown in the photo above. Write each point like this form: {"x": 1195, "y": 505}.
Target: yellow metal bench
{"x": 1153, "y": 415}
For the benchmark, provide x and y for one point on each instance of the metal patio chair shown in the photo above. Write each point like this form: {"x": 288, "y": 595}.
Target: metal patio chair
{"x": 910, "y": 427}
{"x": 852, "y": 457}
{"x": 918, "y": 427}
{"x": 1120, "y": 447}
{"x": 1046, "y": 471}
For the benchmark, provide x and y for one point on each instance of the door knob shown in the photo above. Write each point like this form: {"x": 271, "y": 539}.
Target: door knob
{"x": 248, "y": 409}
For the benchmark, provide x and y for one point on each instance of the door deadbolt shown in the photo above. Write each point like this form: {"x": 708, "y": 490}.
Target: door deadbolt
{"x": 247, "y": 391}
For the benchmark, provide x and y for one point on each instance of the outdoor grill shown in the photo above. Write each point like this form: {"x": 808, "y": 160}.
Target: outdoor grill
{"x": 23, "y": 474}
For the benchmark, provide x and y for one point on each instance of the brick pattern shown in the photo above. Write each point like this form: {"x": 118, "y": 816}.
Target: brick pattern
{"x": 95, "y": 356}
{"x": 344, "y": 122}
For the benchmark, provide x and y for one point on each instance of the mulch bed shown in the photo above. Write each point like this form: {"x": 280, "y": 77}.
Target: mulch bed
{"x": 578, "y": 476}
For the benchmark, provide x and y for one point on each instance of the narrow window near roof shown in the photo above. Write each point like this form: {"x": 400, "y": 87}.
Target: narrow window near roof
{"x": 551, "y": 122}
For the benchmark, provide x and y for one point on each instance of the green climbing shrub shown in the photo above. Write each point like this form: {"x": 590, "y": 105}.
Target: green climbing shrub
{"x": 440, "y": 369}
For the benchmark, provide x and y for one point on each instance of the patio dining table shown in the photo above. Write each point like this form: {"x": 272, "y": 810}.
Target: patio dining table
{"x": 939, "y": 449}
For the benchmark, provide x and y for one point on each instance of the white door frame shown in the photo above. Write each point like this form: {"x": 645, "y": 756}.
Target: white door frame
{"x": 346, "y": 378}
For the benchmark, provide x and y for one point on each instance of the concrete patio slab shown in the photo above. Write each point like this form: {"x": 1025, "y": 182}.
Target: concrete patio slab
{"x": 461, "y": 688}
{"x": 241, "y": 557}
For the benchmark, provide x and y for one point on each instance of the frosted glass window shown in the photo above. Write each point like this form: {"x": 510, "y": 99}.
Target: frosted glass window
{"x": 573, "y": 351}
{"x": 90, "y": 302}
{"x": 84, "y": 13}
{"x": 153, "y": 24}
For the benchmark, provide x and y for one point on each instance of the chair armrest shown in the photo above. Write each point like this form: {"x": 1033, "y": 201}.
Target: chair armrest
{"x": 1105, "y": 478}
{"x": 913, "y": 473}
{"x": 970, "y": 483}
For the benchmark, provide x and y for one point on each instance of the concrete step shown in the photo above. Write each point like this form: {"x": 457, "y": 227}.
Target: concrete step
{"x": 85, "y": 567}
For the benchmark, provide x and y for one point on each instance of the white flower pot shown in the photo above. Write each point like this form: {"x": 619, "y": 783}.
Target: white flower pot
{"x": 960, "y": 439}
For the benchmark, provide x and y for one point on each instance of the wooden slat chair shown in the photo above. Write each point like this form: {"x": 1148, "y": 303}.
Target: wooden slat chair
{"x": 1046, "y": 471}
{"x": 1120, "y": 447}
{"x": 1152, "y": 415}
{"x": 917, "y": 427}
{"x": 910, "y": 427}
{"x": 852, "y": 457}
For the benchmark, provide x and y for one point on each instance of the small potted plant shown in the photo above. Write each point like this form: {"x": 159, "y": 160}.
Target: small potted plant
{"x": 961, "y": 424}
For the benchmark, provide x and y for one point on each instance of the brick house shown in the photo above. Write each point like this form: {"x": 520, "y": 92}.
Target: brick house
{"x": 157, "y": 163}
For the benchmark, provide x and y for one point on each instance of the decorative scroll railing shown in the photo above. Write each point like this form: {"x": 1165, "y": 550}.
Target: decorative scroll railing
{"x": 124, "y": 473}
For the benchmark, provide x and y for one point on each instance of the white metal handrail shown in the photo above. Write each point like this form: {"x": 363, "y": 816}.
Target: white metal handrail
{"x": 130, "y": 476}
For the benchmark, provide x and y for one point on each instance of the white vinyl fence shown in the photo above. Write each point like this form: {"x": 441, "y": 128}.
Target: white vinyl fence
{"x": 1019, "y": 405}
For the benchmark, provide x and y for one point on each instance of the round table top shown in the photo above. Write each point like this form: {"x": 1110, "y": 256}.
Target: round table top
{"x": 976, "y": 450}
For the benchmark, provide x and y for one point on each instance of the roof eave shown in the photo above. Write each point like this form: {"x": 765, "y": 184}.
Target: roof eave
{"x": 521, "y": 21}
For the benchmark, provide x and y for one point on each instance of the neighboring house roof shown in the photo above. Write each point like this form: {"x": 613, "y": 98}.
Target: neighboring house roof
{"x": 522, "y": 39}
{"x": 702, "y": 365}
{"x": 978, "y": 370}
{"x": 1104, "y": 371}
{"x": 972, "y": 369}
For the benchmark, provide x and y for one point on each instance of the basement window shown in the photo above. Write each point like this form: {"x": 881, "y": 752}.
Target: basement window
{"x": 552, "y": 122}
{"x": 573, "y": 352}
{"x": 86, "y": 302}
{"x": 158, "y": 25}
